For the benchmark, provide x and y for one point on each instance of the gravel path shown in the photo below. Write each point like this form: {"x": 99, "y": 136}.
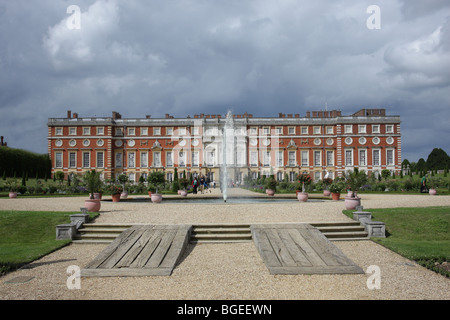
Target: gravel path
{"x": 226, "y": 271}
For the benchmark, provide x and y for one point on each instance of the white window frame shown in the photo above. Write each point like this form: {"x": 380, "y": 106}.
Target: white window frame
{"x": 305, "y": 160}
{"x": 389, "y": 128}
{"x": 156, "y": 131}
{"x": 375, "y": 128}
{"x": 253, "y": 158}
{"x": 100, "y": 162}
{"x": 303, "y": 130}
{"x": 292, "y": 162}
{"x": 169, "y": 159}
{"x": 59, "y": 162}
{"x": 317, "y": 130}
{"x": 360, "y": 162}
{"x": 279, "y": 131}
{"x": 348, "y": 128}
{"x": 118, "y": 159}
{"x": 362, "y": 128}
{"x": 182, "y": 158}
{"x": 119, "y": 132}
{"x": 131, "y": 159}
{"x": 330, "y": 130}
{"x": 88, "y": 159}
{"x": 266, "y": 159}
{"x": 74, "y": 164}
{"x": 58, "y": 131}
{"x": 144, "y": 159}
{"x": 131, "y": 131}
{"x": 348, "y": 161}
{"x": 280, "y": 158}
{"x": 74, "y": 129}
{"x": 253, "y": 131}
{"x": 144, "y": 131}
{"x": 169, "y": 131}
{"x": 319, "y": 162}
{"x": 291, "y": 130}
{"x": 378, "y": 151}
{"x": 157, "y": 160}
{"x": 266, "y": 131}
{"x": 388, "y": 150}
{"x": 100, "y": 131}
{"x": 330, "y": 161}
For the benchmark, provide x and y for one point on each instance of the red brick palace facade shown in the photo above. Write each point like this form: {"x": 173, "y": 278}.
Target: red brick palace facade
{"x": 320, "y": 142}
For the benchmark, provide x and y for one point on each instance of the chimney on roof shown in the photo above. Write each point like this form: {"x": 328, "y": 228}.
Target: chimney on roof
{"x": 148, "y": 116}
{"x": 69, "y": 114}
{"x": 75, "y": 115}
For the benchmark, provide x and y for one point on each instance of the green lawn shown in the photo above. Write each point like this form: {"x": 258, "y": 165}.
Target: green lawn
{"x": 27, "y": 236}
{"x": 420, "y": 234}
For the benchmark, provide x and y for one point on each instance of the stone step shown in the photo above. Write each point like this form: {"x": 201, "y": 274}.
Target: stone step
{"x": 215, "y": 233}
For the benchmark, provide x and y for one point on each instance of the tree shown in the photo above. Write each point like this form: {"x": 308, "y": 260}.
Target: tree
{"x": 175, "y": 184}
{"x": 437, "y": 159}
{"x": 93, "y": 182}
{"x": 421, "y": 165}
{"x": 157, "y": 179}
{"x": 385, "y": 173}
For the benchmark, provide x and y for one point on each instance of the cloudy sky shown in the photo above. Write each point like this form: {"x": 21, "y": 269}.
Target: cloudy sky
{"x": 185, "y": 57}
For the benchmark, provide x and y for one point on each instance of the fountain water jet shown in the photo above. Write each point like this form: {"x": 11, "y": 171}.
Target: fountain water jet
{"x": 227, "y": 152}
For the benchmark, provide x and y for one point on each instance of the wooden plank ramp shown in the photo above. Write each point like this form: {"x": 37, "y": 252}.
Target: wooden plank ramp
{"x": 142, "y": 250}
{"x": 299, "y": 249}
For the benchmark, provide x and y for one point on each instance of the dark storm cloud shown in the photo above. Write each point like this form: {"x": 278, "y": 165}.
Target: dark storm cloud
{"x": 195, "y": 56}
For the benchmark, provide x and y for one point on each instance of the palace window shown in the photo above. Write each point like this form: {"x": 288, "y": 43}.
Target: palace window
{"x": 349, "y": 157}
{"x": 292, "y": 159}
{"x": 144, "y": 159}
{"x": 86, "y": 159}
{"x": 144, "y": 131}
{"x": 362, "y": 157}
{"x": 305, "y": 156}
{"x": 317, "y": 158}
{"x": 376, "y": 157}
{"x": 72, "y": 160}
{"x": 100, "y": 159}
{"x": 131, "y": 160}
{"x": 119, "y": 160}
{"x": 330, "y": 158}
{"x": 390, "y": 157}
{"x": 169, "y": 159}
{"x": 59, "y": 131}
{"x": 58, "y": 160}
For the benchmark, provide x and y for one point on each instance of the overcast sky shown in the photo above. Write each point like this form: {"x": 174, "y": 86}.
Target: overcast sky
{"x": 263, "y": 57}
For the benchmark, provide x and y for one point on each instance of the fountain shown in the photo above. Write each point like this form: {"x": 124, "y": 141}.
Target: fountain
{"x": 227, "y": 152}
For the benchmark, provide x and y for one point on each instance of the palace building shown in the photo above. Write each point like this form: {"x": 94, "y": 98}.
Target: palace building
{"x": 320, "y": 143}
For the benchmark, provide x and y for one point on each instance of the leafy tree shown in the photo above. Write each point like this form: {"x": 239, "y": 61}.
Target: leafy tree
{"x": 385, "y": 173}
{"x": 437, "y": 159}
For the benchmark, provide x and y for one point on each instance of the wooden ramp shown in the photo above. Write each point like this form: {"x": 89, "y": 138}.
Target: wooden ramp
{"x": 299, "y": 249}
{"x": 142, "y": 250}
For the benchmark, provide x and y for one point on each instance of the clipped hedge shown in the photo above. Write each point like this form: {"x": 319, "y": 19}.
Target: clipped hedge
{"x": 18, "y": 163}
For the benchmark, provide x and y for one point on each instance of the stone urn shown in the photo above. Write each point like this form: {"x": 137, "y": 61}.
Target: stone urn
{"x": 183, "y": 193}
{"x": 302, "y": 196}
{"x": 270, "y": 192}
{"x": 432, "y": 192}
{"x": 92, "y": 205}
{"x": 12, "y": 195}
{"x": 116, "y": 197}
{"x": 156, "y": 197}
{"x": 179, "y": 192}
{"x": 124, "y": 195}
{"x": 326, "y": 193}
{"x": 352, "y": 202}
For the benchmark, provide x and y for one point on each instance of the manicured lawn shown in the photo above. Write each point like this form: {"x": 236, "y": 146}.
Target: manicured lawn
{"x": 27, "y": 236}
{"x": 420, "y": 234}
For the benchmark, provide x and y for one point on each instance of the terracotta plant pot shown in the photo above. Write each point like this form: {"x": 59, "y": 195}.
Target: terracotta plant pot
{"x": 12, "y": 195}
{"x": 270, "y": 192}
{"x": 335, "y": 195}
{"x": 116, "y": 197}
{"x": 352, "y": 203}
{"x": 150, "y": 194}
{"x": 326, "y": 193}
{"x": 183, "y": 193}
{"x": 432, "y": 192}
{"x": 302, "y": 196}
{"x": 92, "y": 205}
{"x": 97, "y": 196}
{"x": 156, "y": 198}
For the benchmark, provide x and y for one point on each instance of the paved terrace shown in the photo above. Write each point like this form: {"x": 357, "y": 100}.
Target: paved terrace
{"x": 226, "y": 271}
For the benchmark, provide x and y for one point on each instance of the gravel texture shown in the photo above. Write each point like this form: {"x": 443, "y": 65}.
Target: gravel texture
{"x": 226, "y": 271}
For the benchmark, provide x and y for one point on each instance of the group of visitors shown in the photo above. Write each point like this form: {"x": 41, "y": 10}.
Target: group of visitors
{"x": 203, "y": 184}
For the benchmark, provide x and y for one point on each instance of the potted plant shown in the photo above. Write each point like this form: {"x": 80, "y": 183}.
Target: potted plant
{"x": 432, "y": 181}
{"x": 93, "y": 182}
{"x": 326, "y": 183}
{"x": 304, "y": 179}
{"x": 271, "y": 186}
{"x": 157, "y": 179}
{"x": 336, "y": 189}
{"x": 183, "y": 183}
{"x": 151, "y": 189}
{"x": 355, "y": 180}
{"x": 13, "y": 187}
{"x": 116, "y": 190}
{"x": 123, "y": 179}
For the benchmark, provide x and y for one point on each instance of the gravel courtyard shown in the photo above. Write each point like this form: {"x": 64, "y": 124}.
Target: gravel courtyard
{"x": 225, "y": 271}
